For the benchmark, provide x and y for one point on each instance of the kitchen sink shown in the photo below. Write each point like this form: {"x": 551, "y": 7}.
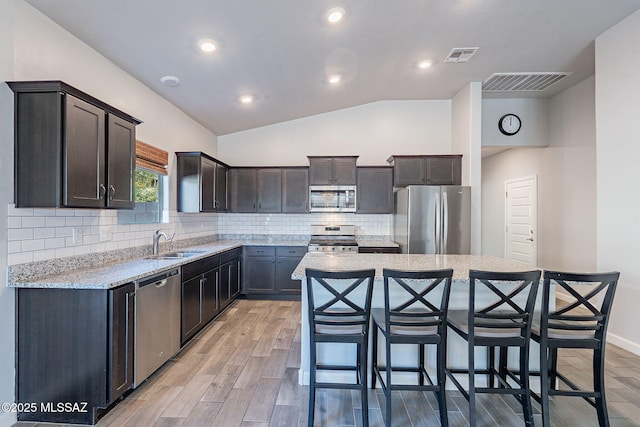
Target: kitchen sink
{"x": 175, "y": 255}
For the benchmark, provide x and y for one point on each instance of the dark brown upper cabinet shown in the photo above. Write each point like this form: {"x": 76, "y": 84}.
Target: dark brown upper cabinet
{"x": 295, "y": 190}
{"x": 426, "y": 170}
{"x": 202, "y": 183}
{"x": 339, "y": 170}
{"x": 71, "y": 150}
{"x": 375, "y": 190}
{"x": 269, "y": 190}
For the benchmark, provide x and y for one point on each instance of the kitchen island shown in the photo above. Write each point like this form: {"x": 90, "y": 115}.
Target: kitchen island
{"x": 461, "y": 264}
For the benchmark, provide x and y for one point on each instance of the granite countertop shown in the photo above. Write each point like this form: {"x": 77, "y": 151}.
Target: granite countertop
{"x": 118, "y": 273}
{"x": 461, "y": 264}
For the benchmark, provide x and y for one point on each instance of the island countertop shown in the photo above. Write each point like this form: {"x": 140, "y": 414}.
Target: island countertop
{"x": 461, "y": 264}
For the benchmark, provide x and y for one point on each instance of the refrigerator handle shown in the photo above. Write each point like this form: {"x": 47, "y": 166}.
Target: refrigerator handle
{"x": 445, "y": 222}
{"x": 437, "y": 223}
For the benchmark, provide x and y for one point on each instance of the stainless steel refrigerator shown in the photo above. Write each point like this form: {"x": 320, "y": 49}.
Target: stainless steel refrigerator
{"x": 431, "y": 219}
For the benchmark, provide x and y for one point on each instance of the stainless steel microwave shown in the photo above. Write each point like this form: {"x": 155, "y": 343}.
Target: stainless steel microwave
{"x": 332, "y": 198}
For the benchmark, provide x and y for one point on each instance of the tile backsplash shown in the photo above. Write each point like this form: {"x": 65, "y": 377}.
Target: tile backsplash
{"x": 44, "y": 234}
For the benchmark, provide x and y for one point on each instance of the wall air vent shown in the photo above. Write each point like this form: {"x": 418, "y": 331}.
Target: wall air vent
{"x": 461, "y": 54}
{"x": 521, "y": 82}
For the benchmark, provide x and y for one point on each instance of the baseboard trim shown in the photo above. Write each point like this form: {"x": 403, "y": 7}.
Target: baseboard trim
{"x": 624, "y": 343}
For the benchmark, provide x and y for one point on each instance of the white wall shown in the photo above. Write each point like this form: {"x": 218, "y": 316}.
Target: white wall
{"x": 466, "y": 139}
{"x": 618, "y": 172}
{"x": 7, "y": 304}
{"x": 373, "y": 131}
{"x": 533, "y": 113}
{"x": 566, "y": 173}
{"x": 43, "y": 50}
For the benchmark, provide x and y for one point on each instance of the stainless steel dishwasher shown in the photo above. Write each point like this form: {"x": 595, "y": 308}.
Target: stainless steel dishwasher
{"x": 157, "y": 331}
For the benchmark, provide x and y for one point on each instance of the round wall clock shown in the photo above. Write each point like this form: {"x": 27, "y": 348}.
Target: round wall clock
{"x": 509, "y": 124}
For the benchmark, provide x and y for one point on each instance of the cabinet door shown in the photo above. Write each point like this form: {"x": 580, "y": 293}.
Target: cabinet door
{"x": 221, "y": 188}
{"x": 210, "y": 291}
{"x": 320, "y": 171}
{"x": 409, "y": 171}
{"x": 295, "y": 190}
{"x": 344, "y": 171}
{"x": 84, "y": 155}
{"x": 444, "y": 170}
{"x": 191, "y": 307}
{"x": 375, "y": 190}
{"x": 121, "y": 160}
{"x": 260, "y": 275}
{"x": 207, "y": 185}
{"x": 287, "y": 259}
{"x": 269, "y": 190}
{"x": 121, "y": 330}
{"x": 225, "y": 284}
{"x": 234, "y": 278}
{"x": 244, "y": 186}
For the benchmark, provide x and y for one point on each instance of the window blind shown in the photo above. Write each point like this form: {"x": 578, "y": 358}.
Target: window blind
{"x": 152, "y": 158}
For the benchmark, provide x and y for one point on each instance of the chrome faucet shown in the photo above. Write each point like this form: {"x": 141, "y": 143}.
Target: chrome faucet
{"x": 156, "y": 239}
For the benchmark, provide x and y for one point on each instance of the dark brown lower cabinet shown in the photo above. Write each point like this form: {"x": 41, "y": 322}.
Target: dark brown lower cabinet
{"x": 209, "y": 285}
{"x": 268, "y": 269}
{"x": 74, "y": 352}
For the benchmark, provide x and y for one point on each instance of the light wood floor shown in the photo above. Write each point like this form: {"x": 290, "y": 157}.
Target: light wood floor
{"x": 242, "y": 370}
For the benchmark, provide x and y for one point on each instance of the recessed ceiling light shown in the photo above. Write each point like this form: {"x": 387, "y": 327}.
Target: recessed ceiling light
{"x": 170, "y": 81}
{"x": 207, "y": 45}
{"x": 246, "y": 99}
{"x": 424, "y": 64}
{"x": 335, "y": 15}
{"x": 334, "y": 79}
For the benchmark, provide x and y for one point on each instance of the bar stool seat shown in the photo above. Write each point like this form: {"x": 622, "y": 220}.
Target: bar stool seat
{"x": 417, "y": 315}
{"x": 339, "y": 307}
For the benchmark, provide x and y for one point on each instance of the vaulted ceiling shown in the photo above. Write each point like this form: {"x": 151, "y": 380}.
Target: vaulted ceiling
{"x": 282, "y": 52}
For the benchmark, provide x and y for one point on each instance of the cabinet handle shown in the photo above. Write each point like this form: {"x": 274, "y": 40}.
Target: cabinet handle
{"x": 113, "y": 192}
{"x": 103, "y": 191}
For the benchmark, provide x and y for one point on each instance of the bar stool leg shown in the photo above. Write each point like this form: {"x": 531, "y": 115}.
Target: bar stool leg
{"x": 442, "y": 397}
{"x": 598, "y": 387}
{"x": 544, "y": 385}
{"x": 472, "y": 384}
{"x": 312, "y": 384}
{"x": 387, "y": 386}
{"x": 524, "y": 379}
{"x": 363, "y": 381}
{"x": 374, "y": 357}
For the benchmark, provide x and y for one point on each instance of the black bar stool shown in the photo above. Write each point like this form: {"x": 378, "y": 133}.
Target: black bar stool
{"x": 339, "y": 306}
{"x": 503, "y": 319}
{"x": 418, "y": 315}
{"x": 580, "y": 322}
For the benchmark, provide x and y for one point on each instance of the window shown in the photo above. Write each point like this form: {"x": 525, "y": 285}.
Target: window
{"x": 150, "y": 176}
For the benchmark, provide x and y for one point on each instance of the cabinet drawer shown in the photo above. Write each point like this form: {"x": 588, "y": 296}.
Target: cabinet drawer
{"x": 297, "y": 251}
{"x": 200, "y": 266}
{"x": 230, "y": 254}
{"x": 260, "y": 250}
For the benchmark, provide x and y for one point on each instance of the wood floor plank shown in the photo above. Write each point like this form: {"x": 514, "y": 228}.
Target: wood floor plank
{"x": 233, "y": 408}
{"x": 263, "y": 401}
{"x": 188, "y": 397}
{"x": 251, "y": 373}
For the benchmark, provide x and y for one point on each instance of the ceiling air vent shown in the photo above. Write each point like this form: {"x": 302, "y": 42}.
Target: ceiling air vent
{"x": 461, "y": 54}
{"x": 517, "y": 82}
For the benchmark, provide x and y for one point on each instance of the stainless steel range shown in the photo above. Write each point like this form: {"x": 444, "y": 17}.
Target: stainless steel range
{"x": 333, "y": 239}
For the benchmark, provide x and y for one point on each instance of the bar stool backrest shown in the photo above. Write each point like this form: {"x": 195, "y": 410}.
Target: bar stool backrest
{"x": 503, "y": 300}
{"x": 420, "y": 299}
{"x": 583, "y": 311}
{"x": 339, "y": 301}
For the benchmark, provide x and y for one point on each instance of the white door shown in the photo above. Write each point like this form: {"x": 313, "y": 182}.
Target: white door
{"x": 521, "y": 216}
